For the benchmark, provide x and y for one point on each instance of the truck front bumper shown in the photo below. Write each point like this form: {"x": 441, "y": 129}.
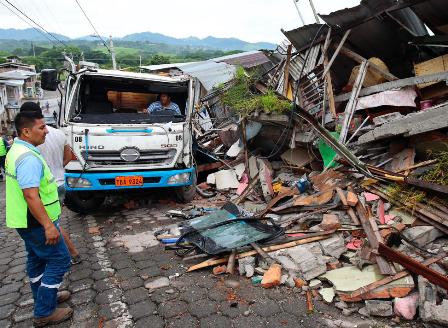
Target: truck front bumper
{"x": 89, "y": 181}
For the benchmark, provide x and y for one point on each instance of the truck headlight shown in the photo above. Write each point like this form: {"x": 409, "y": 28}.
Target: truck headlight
{"x": 179, "y": 178}
{"x": 78, "y": 183}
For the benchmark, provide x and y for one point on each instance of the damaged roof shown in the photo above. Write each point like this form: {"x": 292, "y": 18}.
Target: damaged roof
{"x": 379, "y": 28}
{"x": 209, "y": 73}
{"x": 246, "y": 59}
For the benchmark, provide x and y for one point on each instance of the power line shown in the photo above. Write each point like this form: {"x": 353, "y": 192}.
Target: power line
{"x": 12, "y": 11}
{"x": 93, "y": 26}
{"x": 52, "y": 15}
{"x": 32, "y": 20}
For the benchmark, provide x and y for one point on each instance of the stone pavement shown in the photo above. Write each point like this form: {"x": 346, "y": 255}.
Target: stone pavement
{"x": 120, "y": 256}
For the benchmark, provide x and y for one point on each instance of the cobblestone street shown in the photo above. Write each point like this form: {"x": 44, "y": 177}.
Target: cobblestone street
{"x": 108, "y": 287}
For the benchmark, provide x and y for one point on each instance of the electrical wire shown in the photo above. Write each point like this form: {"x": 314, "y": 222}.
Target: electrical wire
{"x": 37, "y": 24}
{"x": 93, "y": 26}
{"x": 52, "y": 15}
{"x": 28, "y": 23}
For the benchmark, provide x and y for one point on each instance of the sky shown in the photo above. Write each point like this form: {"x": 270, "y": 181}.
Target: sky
{"x": 249, "y": 20}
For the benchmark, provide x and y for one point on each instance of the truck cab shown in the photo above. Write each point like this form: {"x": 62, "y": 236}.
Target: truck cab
{"x": 117, "y": 144}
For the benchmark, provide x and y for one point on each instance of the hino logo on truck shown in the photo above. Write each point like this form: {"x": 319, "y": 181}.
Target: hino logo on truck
{"x": 99, "y": 147}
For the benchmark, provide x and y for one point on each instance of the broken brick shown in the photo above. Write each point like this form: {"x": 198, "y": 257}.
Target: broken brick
{"x": 220, "y": 269}
{"x": 352, "y": 199}
{"x": 299, "y": 283}
{"x": 330, "y": 222}
{"x": 272, "y": 277}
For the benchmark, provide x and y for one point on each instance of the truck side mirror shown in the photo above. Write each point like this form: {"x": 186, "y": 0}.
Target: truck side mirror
{"x": 49, "y": 79}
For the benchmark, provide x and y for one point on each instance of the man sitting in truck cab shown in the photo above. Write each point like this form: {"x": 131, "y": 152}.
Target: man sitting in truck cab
{"x": 164, "y": 103}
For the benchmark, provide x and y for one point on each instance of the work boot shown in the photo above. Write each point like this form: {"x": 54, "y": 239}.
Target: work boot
{"x": 59, "y": 315}
{"x": 63, "y": 296}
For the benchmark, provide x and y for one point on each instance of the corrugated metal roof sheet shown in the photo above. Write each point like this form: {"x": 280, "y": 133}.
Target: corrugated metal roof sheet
{"x": 160, "y": 67}
{"x": 375, "y": 34}
{"x": 209, "y": 73}
{"x": 303, "y": 36}
{"x": 16, "y": 75}
{"x": 246, "y": 59}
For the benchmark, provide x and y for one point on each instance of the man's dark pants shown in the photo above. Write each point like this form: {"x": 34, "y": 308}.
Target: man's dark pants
{"x": 46, "y": 266}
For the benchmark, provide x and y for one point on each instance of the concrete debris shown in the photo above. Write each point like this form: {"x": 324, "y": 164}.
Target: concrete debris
{"x": 427, "y": 298}
{"x": 158, "y": 283}
{"x": 235, "y": 149}
{"x": 422, "y": 235}
{"x": 226, "y": 179}
{"x": 315, "y": 284}
{"x": 310, "y": 265}
{"x": 246, "y": 266}
{"x": 410, "y": 125}
{"x": 437, "y": 314}
{"x": 379, "y": 308}
{"x": 334, "y": 246}
{"x": 327, "y": 294}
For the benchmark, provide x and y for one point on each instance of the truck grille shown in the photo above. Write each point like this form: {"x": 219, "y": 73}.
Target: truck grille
{"x": 106, "y": 157}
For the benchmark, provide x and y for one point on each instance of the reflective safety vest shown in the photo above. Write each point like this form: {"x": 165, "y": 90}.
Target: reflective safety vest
{"x": 2, "y": 147}
{"x": 17, "y": 212}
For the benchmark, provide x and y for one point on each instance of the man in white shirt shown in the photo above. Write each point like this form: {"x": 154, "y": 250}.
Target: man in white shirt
{"x": 57, "y": 154}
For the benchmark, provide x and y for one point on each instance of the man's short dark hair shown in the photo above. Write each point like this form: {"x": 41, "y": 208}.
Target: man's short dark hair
{"x": 26, "y": 119}
{"x": 30, "y": 106}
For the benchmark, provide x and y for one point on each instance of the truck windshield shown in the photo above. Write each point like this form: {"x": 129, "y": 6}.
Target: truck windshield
{"x": 113, "y": 100}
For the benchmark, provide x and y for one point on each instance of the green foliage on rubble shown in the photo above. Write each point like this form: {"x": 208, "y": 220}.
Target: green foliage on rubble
{"x": 240, "y": 96}
{"x": 438, "y": 174}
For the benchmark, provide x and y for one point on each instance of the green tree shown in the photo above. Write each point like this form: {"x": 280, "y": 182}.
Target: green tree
{"x": 159, "y": 59}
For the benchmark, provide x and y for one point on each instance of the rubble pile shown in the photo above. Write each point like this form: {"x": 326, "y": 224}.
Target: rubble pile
{"x": 344, "y": 196}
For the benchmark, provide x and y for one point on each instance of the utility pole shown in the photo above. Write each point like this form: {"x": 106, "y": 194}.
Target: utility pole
{"x": 140, "y": 66}
{"x": 34, "y": 52}
{"x": 314, "y": 12}
{"x": 112, "y": 52}
{"x": 298, "y": 11}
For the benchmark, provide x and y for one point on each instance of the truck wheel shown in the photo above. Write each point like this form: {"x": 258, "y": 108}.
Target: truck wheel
{"x": 83, "y": 202}
{"x": 186, "y": 194}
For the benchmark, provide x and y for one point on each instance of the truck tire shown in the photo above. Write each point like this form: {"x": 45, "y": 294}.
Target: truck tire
{"x": 186, "y": 194}
{"x": 83, "y": 202}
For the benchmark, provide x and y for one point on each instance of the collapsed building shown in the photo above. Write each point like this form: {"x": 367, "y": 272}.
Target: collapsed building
{"x": 343, "y": 194}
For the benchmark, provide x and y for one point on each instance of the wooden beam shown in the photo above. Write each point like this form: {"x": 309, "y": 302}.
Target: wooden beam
{"x": 286, "y": 71}
{"x": 330, "y": 95}
{"x": 437, "y": 77}
{"x": 215, "y": 261}
{"x": 374, "y": 237}
{"x": 359, "y": 59}
{"x": 351, "y": 105}
{"x": 386, "y": 280}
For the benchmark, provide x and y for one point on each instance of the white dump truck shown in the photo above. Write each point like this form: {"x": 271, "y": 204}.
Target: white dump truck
{"x": 117, "y": 145}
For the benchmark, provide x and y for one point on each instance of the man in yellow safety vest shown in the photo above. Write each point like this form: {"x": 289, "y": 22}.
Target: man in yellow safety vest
{"x": 33, "y": 209}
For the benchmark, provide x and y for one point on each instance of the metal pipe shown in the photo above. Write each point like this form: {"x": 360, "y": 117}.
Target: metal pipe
{"x": 357, "y": 130}
{"x": 298, "y": 11}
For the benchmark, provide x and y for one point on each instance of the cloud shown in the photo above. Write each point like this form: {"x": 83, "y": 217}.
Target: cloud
{"x": 250, "y": 20}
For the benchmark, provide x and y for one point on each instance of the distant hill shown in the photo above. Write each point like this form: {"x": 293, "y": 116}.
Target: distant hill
{"x": 28, "y": 34}
{"x": 210, "y": 42}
